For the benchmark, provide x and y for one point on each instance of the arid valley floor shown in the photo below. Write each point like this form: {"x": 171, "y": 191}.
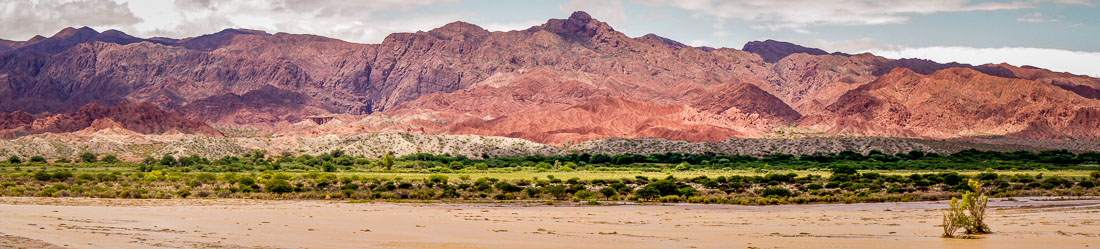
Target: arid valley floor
{"x": 120, "y": 223}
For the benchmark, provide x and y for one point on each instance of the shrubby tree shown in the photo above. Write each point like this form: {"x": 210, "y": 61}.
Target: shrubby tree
{"x": 844, "y": 169}
{"x": 665, "y": 187}
{"x": 558, "y": 192}
{"x": 507, "y": 187}
{"x": 456, "y": 165}
{"x": 647, "y": 193}
{"x": 38, "y": 159}
{"x": 343, "y": 161}
{"x": 168, "y": 160}
{"x": 88, "y": 157}
{"x": 15, "y": 160}
{"x": 387, "y": 161}
{"x": 257, "y": 156}
{"x": 608, "y": 192}
{"x": 438, "y": 179}
{"x": 110, "y": 158}
{"x": 775, "y": 192}
{"x": 583, "y": 194}
{"x": 278, "y": 186}
{"x": 684, "y": 166}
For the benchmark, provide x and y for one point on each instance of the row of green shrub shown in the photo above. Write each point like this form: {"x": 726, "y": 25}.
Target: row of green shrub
{"x": 874, "y": 160}
{"x": 844, "y": 185}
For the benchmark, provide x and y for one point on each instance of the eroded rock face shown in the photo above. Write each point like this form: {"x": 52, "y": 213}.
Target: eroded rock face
{"x": 959, "y": 102}
{"x": 542, "y": 83}
{"x": 555, "y": 107}
{"x": 142, "y": 118}
{"x": 772, "y": 51}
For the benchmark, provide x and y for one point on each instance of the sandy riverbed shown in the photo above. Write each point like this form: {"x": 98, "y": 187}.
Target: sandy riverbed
{"x": 106, "y": 223}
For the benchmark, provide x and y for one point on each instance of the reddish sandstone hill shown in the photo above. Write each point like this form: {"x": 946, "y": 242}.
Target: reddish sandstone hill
{"x": 543, "y": 83}
{"x": 138, "y": 117}
{"x": 960, "y": 102}
{"x": 555, "y": 107}
{"x": 602, "y": 118}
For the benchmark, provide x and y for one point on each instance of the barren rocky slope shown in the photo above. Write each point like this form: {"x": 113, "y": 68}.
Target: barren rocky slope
{"x": 960, "y": 102}
{"x": 560, "y": 83}
{"x": 141, "y": 118}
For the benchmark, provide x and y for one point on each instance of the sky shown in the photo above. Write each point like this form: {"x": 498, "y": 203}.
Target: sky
{"x": 1060, "y": 35}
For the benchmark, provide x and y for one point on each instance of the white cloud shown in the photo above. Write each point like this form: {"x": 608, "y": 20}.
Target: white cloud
{"x": 1037, "y": 18}
{"x": 610, "y": 11}
{"x": 1076, "y": 62}
{"x": 510, "y": 26}
{"x": 1072, "y": 2}
{"x": 850, "y": 46}
{"x": 356, "y": 21}
{"x": 23, "y": 19}
{"x": 797, "y": 15}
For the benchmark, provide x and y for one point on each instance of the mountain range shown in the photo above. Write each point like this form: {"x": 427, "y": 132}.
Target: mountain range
{"x": 564, "y": 82}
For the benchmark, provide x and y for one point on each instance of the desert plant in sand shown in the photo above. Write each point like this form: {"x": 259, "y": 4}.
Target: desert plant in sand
{"x": 954, "y": 217}
{"x": 967, "y": 213}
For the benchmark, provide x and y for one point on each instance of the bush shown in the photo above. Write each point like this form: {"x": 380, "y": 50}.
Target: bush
{"x": 206, "y": 177}
{"x": 608, "y": 192}
{"x": 168, "y": 160}
{"x": 649, "y": 192}
{"x": 110, "y": 158}
{"x": 88, "y": 157}
{"x": 583, "y": 194}
{"x": 507, "y": 187}
{"x": 687, "y": 191}
{"x": 954, "y": 218}
{"x": 15, "y": 160}
{"x": 665, "y": 187}
{"x": 278, "y": 186}
{"x": 437, "y": 178}
{"x": 38, "y": 159}
{"x": 952, "y": 179}
{"x": 42, "y": 176}
{"x": 558, "y": 192}
{"x": 967, "y": 213}
{"x": 844, "y": 169}
{"x": 775, "y": 192}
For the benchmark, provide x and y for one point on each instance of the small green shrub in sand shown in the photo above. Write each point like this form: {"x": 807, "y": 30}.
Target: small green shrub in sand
{"x": 967, "y": 213}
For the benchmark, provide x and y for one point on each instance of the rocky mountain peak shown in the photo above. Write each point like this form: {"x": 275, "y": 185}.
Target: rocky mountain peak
{"x": 772, "y": 51}
{"x": 656, "y": 39}
{"x": 457, "y": 30}
{"x": 579, "y": 24}
{"x": 77, "y": 32}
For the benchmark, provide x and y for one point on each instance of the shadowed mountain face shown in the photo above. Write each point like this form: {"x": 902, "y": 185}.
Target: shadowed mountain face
{"x": 772, "y": 51}
{"x": 142, "y": 118}
{"x": 567, "y": 80}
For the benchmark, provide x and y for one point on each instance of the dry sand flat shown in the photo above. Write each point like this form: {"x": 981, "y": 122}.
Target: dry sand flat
{"x": 107, "y": 223}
